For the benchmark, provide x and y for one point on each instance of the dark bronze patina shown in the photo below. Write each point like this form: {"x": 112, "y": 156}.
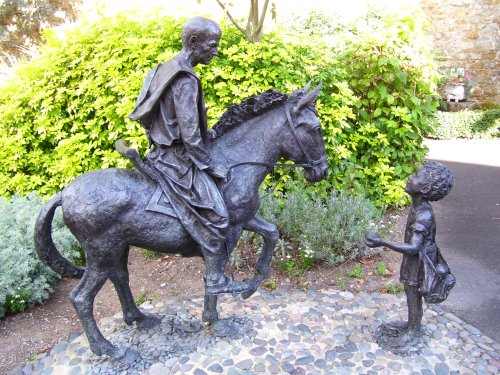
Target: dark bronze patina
{"x": 424, "y": 272}
{"x": 182, "y": 198}
{"x": 172, "y": 110}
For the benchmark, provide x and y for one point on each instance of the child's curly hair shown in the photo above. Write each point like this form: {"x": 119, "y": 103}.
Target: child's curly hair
{"x": 440, "y": 179}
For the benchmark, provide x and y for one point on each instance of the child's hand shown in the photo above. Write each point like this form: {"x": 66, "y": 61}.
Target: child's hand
{"x": 373, "y": 240}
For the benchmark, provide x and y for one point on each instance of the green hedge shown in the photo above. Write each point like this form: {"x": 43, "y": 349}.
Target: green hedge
{"x": 466, "y": 124}
{"x": 60, "y": 116}
{"x": 392, "y": 74}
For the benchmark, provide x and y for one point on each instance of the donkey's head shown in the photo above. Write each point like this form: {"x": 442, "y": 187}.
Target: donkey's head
{"x": 303, "y": 142}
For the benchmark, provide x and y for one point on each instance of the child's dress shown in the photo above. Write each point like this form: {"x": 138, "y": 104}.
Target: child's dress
{"x": 420, "y": 220}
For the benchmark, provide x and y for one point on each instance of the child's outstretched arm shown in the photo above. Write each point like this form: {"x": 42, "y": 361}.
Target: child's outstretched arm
{"x": 412, "y": 248}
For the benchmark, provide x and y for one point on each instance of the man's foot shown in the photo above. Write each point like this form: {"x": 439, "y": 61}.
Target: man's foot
{"x": 226, "y": 286}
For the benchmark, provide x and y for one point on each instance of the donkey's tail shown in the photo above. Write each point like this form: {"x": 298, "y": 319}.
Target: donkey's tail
{"x": 45, "y": 247}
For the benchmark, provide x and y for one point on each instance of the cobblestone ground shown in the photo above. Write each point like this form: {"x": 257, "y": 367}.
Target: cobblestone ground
{"x": 313, "y": 332}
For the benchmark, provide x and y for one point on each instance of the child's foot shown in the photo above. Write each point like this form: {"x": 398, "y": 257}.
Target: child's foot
{"x": 393, "y": 329}
{"x": 397, "y": 336}
{"x": 408, "y": 339}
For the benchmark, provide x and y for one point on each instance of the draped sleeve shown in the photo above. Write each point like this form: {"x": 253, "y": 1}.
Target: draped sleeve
{"x": 186, "y": 96}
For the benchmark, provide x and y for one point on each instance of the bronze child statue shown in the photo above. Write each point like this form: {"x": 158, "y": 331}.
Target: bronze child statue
{"x": 424, "y": 272}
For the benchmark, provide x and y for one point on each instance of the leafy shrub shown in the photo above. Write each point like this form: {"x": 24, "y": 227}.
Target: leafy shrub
{"x": 450, "y": 125}
{"x": 60, "y": 116}
{"x": 24, "y": 279}
{"x": 326, "y": 228}
{"x": 337, "y": 234}
{"x": 395, "y": 87}
{"x": 488, "y": 124}
{"x": 63, "y": 111}
{"x": 466, "y": 124}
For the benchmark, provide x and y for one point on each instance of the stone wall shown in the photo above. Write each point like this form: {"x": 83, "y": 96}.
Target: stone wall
{"x": 466, "y": 35}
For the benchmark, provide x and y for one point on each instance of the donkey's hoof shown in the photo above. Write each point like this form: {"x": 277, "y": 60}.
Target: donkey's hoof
{"x": 248, "y": 293}
{"x": 126, "y": 356}
{"x": 148, "y": 321}
{"x": 251, "y": 290}
{"x": 210, "y": 317}
{"x": 227, "y": 286}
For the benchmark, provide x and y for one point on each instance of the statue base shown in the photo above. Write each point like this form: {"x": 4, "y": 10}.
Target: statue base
{"x": 398, "y": 339}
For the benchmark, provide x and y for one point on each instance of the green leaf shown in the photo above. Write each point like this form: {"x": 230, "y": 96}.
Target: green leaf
{"x": 383, "y": 61}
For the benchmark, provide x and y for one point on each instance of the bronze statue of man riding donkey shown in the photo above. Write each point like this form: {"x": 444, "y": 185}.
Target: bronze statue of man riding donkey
{"x": 181, "y": 198}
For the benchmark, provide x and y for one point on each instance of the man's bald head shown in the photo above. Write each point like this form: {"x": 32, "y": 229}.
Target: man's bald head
{"x": 200, "y": 28}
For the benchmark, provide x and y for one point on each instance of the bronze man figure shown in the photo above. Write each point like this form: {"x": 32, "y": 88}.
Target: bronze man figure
{"x": 172, "y": 110}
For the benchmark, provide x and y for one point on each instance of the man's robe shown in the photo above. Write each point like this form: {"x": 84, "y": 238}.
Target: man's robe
{"x": 171, "y": 108}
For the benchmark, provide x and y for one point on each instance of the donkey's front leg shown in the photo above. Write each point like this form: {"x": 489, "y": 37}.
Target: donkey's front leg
{"x": 270, "y": 234}
{"x": 210, "y": 314}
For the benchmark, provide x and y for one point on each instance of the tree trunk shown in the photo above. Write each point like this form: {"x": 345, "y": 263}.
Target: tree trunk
{"x": 255, "y": 21}
{"x": 254, "y": 11}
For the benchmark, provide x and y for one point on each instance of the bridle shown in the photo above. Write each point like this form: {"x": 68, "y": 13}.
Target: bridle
{"x": 310, "y": 162}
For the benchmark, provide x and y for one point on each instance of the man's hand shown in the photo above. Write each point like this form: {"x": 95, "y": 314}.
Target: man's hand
{"x": 212, "y": 134}
{"x": 218, "y": 170}
{"x": 373, "y": 240}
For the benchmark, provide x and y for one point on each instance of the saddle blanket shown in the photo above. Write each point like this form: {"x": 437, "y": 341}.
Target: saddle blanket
{"x": 159, "y": 202}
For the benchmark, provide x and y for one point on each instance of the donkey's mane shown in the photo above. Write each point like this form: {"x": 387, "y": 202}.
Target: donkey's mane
{"x": 248, "y": 109}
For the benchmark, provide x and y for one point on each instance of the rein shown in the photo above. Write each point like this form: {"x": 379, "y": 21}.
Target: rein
{"x": 310, "y": 163}
{"x": 273, "y": 165}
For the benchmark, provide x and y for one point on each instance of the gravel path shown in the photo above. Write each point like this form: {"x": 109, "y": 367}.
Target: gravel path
{"x": 312, "y": 332}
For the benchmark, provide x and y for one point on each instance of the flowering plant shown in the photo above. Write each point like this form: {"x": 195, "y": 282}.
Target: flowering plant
{"x": 456, "y": 77}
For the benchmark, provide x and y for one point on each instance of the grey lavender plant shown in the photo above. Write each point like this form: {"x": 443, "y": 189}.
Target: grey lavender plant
{"x": 24, "y": 279}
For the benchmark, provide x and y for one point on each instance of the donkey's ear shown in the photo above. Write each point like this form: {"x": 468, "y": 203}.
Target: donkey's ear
{"x": 310, "y": 97}
{"x": 307, "y": 86}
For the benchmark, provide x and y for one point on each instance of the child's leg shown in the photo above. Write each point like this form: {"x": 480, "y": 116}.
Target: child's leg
{"x": 415, "y": 312}
{"x": 399, "y": 328}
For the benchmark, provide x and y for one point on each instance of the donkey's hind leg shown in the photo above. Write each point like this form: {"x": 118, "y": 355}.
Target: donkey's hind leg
{"x": 82, "y": 298}
{"x": 131, "y": 313}
{"x": 270, "y": 234}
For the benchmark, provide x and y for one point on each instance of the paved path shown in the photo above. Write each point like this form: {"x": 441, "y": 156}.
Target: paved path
{"x": 313, "y": 332}
{"x": 468, "y": 225}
